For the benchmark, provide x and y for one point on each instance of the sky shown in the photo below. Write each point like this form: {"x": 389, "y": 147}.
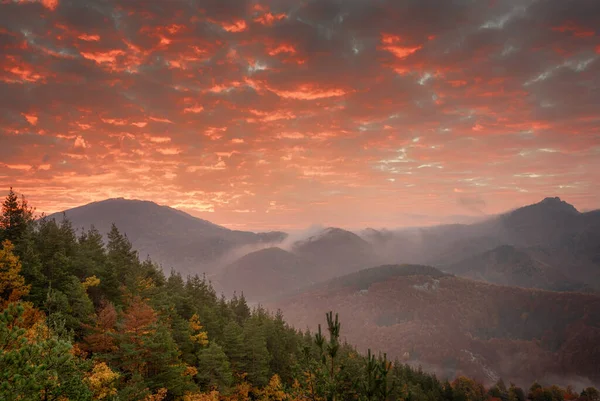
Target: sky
{"x": 281, "y": 114}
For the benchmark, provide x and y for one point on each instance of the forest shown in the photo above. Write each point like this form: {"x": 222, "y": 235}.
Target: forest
{"x": 82, "y": 318}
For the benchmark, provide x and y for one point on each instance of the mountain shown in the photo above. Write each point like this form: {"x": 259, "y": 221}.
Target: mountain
{"x": 507, "y": 265}
{"x": 552, "y": 232}
{"x": 266, "y": 273}
{"x": 453, "y": 325}
{"x": 171, "y": 237}
{"x": 336, "y": 251}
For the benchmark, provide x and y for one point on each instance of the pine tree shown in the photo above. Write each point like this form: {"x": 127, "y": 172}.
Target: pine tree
{"x": 214, "y": 371}
{"x": 282, "y": 345}
{"x": 122, "y": 255}
{"x": 240, "y": 308}
{"x": 16, "y": 216}
{"x": 256, "y": 355}
{"x": 56, "y": 246}
{"x": 328, "y": 350}
{"x": 233, "y": 346}
{"x": 91, "y": 254}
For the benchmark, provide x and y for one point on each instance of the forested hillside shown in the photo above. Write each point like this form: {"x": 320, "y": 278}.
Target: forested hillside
{"x": 85, "y": 320}
{"x": 457, "y": 326}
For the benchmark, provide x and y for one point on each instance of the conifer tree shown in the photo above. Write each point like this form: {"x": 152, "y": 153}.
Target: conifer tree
{"x": 256, "y": 355}
{"x": 122, "y": 258}
{"x": 16, "y": 216}
{"x": 233, "y": 346}
{"x": 214, "y": 371}
{"x": 91, "y": 255}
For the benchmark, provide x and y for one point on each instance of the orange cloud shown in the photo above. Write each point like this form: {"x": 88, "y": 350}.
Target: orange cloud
{"x": 401, "y": 51}
{"x": 309, "y": 92}
{"x": 161, "y": 120}
{"x": 283, "y": 48}
{"x": 169, "y": 151}
{"x": 23, "y": 167}
{"x": 89, "y": 38}
{"x": 49, "y": 4}
{"x": 31, "y": 118}
{"x": 236, "y": 26}
{"x": 81, "y": 143}
{"x": 193, "y": 109}
{"x": 108, "y": 57}
{"x": 268, "y": 18}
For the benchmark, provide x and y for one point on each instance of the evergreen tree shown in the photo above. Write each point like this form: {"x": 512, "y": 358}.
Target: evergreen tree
{"x": 233, "y": 346}
{"x": 16, "y": 216}
{"x": 256, "y": 355}
{"x": 240, "y": 308}
{"x": 214, "y": 371}
{"x": 282, "y": 345}
{"x": 122, "y": 258}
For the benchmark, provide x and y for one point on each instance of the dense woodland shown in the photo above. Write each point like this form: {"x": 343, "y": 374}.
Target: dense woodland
{"x": 81, "y": 319}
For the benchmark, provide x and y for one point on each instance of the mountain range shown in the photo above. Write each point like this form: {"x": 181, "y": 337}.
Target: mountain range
{"x": 513, "y": 296}
{"x": 547, "y": 245}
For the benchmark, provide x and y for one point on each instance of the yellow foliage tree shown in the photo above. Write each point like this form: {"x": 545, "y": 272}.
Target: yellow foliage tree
{"x": 212, "y": 396}
{"x": 92, "y": 281}
{"x": 190, "y": 371}
{"x": 160, "y": 395}
{"x": 198, "y": 336}
{"x": 242, "y": 391}
{"x": 273, "y": 391}
{"x": 102, "y": 381}
{"x": 12, "y": 284}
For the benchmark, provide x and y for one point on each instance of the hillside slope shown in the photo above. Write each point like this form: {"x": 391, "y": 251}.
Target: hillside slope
{"x": 336, "y": 251}
{"x": 266, "y": 273}
{"x": 507, "y": 265}
{"x": 456, "y": 326}
{"x": 171, "y": 237}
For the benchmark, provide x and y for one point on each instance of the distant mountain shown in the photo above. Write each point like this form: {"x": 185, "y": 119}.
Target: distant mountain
{"x": 548, "y": 221}
{"x": 507, "y": 265}
{"x": 336, "y": 251}
{"x": 455, "y": 326}
{"x": 171, "y": 237}
{"x": 267, "y": 273}
{"x": 552, "y": 232}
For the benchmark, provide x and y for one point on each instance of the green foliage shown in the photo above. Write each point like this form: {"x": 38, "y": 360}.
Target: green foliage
{"x": 15, "y": 219}
{"x": 256, "y": 357}
{"x": 214, "y": 371}
{"x": 36, "y": 364}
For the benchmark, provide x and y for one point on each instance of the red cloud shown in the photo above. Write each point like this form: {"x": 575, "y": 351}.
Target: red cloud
{"x": 574, "y": 29}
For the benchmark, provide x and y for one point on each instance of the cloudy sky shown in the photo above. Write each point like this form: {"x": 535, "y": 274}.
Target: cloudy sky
{"x": 284, "y": 113}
